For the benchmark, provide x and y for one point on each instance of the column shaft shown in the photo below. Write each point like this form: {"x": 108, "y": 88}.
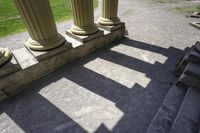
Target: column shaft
{"x": 83, "y": 16}
{"x": 38, "y": 18}
{"x": 4, "y": 55}
{"x": 109, "y": 13}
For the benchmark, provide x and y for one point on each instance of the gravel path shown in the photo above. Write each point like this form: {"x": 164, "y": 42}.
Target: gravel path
{"x": 116, "y": 89}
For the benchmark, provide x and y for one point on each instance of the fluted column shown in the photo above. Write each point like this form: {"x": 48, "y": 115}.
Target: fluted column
{"x": 4, "y": 55}
{"x": 38, "y": 18}
{"x": 109, "y": 13}
{"x": 83, "y": 16}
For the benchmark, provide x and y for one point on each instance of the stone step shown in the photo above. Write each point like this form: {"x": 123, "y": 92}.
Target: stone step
{"x": 193, "y": 70}
{"x": 193, "y": 55}
{"x": 166, "y": 115}
{"x": 188, "y": 118}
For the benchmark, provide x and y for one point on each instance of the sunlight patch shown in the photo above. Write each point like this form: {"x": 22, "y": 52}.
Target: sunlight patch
{"x": 86, "y": 108}
{"x": 141, "y": 54}
{"x": 118, "y": 73}
{"x": 7, "y": 125}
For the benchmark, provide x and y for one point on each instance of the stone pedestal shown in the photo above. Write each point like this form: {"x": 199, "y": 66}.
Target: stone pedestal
{"x": 83, "y": 16}
{"x": 8, "y": 63}
{"x": 38, "y": 18}
{"x": 109, "y": 13}
{"x": 4, "y": 56}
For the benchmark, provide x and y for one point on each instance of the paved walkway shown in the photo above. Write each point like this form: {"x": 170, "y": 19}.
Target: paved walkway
{"x": 116, "y": 89}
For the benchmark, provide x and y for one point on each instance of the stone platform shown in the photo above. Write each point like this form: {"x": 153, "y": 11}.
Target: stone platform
{"x": 36, "y": 65}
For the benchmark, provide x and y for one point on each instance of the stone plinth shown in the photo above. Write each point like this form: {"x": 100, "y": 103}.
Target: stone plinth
{"x": 109, "y": 13}
{"x": 83, "y": 16}
{"x": 38, "y": 18}
{"x": 35, "y": 70}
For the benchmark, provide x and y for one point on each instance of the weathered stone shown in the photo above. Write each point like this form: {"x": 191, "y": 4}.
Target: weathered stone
{"x": 26, "y": 60}
{"x": 85, "y": 38}
{"x": 42, "y": 55}
{"x": 10, "y": 67}
{"x": 110, "y": 28}
{"x": 11, "y": 84}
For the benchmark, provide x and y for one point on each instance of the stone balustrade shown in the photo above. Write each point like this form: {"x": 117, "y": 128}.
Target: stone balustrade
{"x": 46, "y": 49}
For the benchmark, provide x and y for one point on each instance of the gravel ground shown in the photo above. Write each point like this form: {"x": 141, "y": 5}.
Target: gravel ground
{"x": 116, "y": 89}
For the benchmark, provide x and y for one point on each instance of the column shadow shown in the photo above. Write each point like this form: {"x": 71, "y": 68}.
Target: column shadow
{"x": 138, "y": 104}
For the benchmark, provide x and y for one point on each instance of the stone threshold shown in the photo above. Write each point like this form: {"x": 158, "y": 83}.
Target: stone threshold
{"x": 35, "y": 65}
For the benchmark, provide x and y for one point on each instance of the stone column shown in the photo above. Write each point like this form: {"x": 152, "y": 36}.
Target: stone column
{"x": 109, "y": 13}
{"x": 4, "y": 55}
{"x": 83, "y": 16}
{"x": 38, "y": 18}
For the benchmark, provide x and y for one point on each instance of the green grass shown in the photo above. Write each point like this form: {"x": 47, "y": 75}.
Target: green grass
{"x": 188, "y": 9}
{"x": 11, "y": 22}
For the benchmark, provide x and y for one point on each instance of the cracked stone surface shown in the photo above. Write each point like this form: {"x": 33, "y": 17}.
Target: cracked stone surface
{"x": 116, "y": 89}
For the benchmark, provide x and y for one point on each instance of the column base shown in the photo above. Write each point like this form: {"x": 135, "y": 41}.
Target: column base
{"x": 45, "y": 45}
{"x": 42, "y": 55}
{"x": 9, "y": 67}
{"x": 109, "y": 22}
{"x": 111, "y": 28}
{"x": 84, "y": 31}
{"x": 85, "y": 38}
{"x": 5, "y": 55}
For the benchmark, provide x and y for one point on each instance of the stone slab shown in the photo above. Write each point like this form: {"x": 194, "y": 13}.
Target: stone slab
{"x": 110, "y": 28}
{"x": 195, "y": 24}
{"x": 10, "y": 67}
{"x": 24, "y": 57}
{"x": 188, "y": 120}
{"x": 84, "y": 39}
{"x": 196, "y": 15}
{"x": 42, "y": 55}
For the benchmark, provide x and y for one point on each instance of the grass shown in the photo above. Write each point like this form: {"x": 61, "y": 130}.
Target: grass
{"x": 188, "y": 9}
{"x": 164, "y": 1}
{"x": 11, "y": 22}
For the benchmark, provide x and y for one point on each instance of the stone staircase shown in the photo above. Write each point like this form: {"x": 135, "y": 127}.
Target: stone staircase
{"x": 180, "y": 111}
